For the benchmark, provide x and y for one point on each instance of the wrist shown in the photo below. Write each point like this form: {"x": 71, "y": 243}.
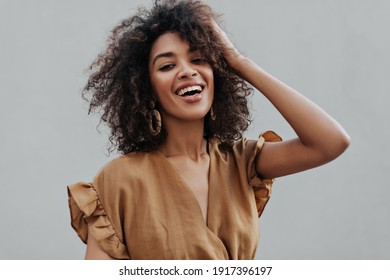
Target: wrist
{"x": 239, "y": 63}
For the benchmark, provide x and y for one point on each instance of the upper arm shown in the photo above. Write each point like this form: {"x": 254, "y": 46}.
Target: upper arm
{"x": 278, "y": 159}
{"x": 94, "y": 252}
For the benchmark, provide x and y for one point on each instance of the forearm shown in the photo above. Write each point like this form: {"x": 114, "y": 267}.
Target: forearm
{"x": 94, "y": 252}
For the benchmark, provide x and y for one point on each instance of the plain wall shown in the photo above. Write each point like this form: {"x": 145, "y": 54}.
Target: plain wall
{"x": 335, "y": 52}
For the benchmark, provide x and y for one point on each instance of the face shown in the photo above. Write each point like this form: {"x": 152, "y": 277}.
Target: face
{"x": 182, "y": 80}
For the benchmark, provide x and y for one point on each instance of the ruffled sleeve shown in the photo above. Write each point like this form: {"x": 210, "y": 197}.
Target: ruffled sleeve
{"x": 262, "y": 187}
{"x": 86, "y": 210}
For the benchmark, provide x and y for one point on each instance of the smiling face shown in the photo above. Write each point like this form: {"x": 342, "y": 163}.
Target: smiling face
{"x": 182, "y": 80}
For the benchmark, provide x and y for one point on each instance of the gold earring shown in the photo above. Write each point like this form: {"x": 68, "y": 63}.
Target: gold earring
{"x": 212, "y": 114}
{"x": 155, "y": 121}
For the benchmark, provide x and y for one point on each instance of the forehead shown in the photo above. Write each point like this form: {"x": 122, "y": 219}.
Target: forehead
{"x": 169, "y": 42}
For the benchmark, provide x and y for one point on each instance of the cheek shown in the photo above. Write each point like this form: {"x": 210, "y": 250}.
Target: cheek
{"x": 160, "y": 84}
{"x": 210, "y": 79}
{"x": 209, "y": 73}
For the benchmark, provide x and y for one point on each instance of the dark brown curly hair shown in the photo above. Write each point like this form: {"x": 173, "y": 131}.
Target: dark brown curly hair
{"x": 120, "y": 87}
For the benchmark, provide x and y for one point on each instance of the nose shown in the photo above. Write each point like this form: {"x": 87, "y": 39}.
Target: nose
{"x": 187, "y": 71}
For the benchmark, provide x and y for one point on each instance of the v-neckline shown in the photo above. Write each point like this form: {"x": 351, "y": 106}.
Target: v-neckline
{"x": 187, "y": 187}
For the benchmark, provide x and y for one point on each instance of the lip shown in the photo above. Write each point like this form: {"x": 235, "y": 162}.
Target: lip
{"x": 192, "y": 98}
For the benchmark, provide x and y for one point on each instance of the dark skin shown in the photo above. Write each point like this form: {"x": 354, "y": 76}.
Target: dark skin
{"x": 320, "y": 139}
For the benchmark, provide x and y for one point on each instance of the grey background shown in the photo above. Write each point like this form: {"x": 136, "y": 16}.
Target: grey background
{"x": 336, "y": 52}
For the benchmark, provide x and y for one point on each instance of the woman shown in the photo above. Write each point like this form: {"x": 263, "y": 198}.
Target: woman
{"x": 173, "y": 90}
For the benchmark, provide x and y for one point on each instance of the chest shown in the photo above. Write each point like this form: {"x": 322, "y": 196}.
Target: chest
{"x": 195, "y": 176}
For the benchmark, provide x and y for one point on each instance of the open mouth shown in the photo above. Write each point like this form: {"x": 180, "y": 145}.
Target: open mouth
{"x": 189, "y": 91}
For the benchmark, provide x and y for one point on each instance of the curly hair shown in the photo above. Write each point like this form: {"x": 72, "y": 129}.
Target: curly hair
{"x": 120, "y": 87}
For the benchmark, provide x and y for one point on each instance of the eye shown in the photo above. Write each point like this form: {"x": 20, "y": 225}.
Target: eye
{"x": 166, "y": 67}
{"x": 199, "y": 60}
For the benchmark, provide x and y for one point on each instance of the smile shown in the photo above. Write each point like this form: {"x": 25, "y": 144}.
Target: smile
{"x": 189, "y": 91}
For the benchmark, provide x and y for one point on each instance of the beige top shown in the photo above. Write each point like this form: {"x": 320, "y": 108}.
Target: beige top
{"x": 138, "y": 206}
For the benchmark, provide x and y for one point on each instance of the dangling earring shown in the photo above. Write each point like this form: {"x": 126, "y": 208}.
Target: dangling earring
{"x": 212, "y": 114}
{"x": 154, "y": 121}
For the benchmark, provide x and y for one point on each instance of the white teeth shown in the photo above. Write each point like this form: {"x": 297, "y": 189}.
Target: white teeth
{"x": 187, "y": 89}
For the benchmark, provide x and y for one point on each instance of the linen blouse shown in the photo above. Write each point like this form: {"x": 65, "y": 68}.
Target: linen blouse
{"x": 139, "y": 207}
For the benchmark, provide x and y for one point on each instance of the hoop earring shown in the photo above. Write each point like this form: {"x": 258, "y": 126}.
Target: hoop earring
{"x": 155, "y": 121}
{"x": 213, "y": 116}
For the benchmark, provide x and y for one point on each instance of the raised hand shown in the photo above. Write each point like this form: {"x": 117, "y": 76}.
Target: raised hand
{"x": 230, "y": 52}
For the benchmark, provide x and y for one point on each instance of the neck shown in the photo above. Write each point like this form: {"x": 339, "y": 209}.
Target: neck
{"x": 185, "y": 139}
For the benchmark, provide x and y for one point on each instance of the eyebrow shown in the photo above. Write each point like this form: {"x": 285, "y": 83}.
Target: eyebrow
{"x": 170, "y": 54}
{"x": 166, "y": 54}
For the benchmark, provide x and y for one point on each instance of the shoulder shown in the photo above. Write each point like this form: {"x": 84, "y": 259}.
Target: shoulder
{"x": 124, "y": 168}
{"x": 249, "y": 146}
{"x": 243, "y": 148}
{"x": 235, "y": 148}
{"x": 133, "y": 161}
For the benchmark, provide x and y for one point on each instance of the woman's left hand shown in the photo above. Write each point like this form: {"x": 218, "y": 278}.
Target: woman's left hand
{"x": 230, "y": 52}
